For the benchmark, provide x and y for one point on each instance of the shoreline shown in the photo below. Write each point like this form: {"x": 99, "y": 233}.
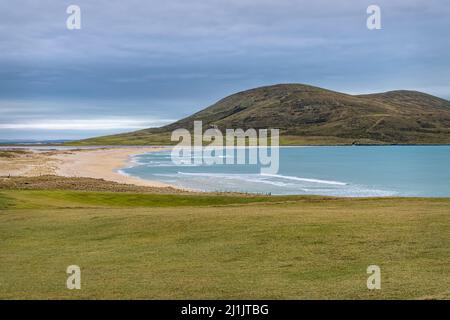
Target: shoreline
{"x": 94, "y": 147}
{"x": 101, "y": 163}
{"x": 97, "y": 163}
{"x": 105, "y": 164}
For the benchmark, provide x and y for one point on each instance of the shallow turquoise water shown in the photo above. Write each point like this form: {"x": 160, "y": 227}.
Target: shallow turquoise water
{"x": 336, "y": 171}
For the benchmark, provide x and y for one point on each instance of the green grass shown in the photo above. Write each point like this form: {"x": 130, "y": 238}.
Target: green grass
{"x": 11, "y": 153}
{"x": 191, "y": 247}
{"x": 70, "y": 199}
{"x": 285, "y": 140}
{"x": 135, "y": 139}
{"x": 5, "y": 202}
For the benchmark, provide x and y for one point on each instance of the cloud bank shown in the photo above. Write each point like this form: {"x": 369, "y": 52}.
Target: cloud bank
{"x": 166, "y": 59}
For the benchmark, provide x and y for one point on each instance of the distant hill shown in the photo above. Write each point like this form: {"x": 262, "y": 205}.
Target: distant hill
{"x": 311, "y": 115}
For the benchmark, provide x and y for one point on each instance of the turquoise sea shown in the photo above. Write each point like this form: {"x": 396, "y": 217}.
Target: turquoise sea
{"x": 349, "y": 171}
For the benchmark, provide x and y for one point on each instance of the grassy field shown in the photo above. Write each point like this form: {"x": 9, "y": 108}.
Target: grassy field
{"x": 190, "y": 246}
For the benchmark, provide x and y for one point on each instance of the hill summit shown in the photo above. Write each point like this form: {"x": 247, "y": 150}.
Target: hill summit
{"x": 311, "y": 115}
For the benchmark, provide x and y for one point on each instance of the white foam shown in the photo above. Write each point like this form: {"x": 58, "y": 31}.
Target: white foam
{"x": 335, "y": 188}
{"x": 337, "y": 183}
{"x": 216, "y": 175}
{"x": 251, "y": 177}
{"x": 120, "y": 171}
{"x": 256, "y": 178}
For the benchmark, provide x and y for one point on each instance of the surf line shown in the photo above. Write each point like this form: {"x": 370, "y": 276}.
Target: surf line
{"x": 238, "y": 144}
{"x": 338, "y": 183}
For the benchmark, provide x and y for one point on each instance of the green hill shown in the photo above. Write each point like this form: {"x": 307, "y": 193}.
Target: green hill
{"x": 311, "y": 115}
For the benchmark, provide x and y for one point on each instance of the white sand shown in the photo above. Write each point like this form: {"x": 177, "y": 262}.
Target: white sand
{"x": 100, "y": 163}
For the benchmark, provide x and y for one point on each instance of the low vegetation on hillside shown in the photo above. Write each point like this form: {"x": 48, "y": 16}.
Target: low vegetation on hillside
{"x": 308, "y": 115}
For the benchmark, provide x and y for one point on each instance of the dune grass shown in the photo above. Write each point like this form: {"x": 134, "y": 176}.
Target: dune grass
{"x": 191, "y": 247}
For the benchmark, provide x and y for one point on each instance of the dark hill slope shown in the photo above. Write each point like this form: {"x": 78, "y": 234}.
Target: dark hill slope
{"x": 312, "y": 115}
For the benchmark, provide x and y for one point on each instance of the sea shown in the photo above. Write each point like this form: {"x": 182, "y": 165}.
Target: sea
{"x": 343, "y": 171}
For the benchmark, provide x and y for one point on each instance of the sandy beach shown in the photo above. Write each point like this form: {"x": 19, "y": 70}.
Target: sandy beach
{"x": 100, "y": 163}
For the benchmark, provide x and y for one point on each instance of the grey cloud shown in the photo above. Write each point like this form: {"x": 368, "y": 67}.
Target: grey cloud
{"x": 166, "y": 59}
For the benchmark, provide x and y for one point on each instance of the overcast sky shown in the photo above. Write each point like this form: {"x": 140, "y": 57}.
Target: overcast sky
{"x": 141, "y": 63}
